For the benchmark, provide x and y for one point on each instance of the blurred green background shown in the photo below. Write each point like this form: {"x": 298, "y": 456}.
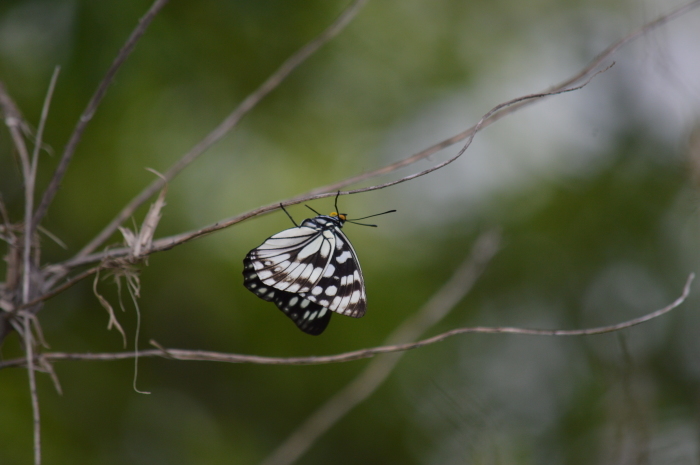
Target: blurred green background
{"x": 594, "y": 191}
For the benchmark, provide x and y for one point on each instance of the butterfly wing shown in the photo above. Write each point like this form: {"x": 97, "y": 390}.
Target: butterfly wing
{"x": 341, "y": 287}
{"x": 308, "y": 271}
{"x": 308, "y": 316}
{"x": 293, "y": 260}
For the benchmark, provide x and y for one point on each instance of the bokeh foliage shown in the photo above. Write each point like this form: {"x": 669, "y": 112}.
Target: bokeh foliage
{"x": 593, "y": 192}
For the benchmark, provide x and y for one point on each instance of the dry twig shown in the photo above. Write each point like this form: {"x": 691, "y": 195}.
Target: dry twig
{"x": 229, "y": 123}
{"x": 85, "y": 256}
{"x": 92, "y": 106}
{"x": 369, "y": 380}
{"x": 210, "y": 356}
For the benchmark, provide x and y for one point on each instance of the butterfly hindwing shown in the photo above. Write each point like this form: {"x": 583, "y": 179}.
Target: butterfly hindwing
{"x": 308, "y": 316}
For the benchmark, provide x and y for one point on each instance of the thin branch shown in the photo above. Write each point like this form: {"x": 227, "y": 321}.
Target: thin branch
{"x": 588, "y": 69}
{"x": 227, "y": 124}
{"x": 29, "y": 351}
{"x": 16, "y": 124}
{"x": 369, "y": 380}
{"x": 209, "y": 356}
{"x": 91, "y": 108}
{"x": 54, "y": 292}
{"x": 6, "y": 228}
{"x": 29, "y": 183}
{"x": 172, "y": 241}
{"x": 85, "y": 256}
{"x": 29, "y": 225}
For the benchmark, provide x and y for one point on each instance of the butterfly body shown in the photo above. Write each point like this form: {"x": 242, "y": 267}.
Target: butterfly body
{"x": 308, "y": 271}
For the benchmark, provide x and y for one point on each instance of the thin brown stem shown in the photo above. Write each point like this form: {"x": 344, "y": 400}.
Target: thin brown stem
{"x": 85, "y": 256}
{"x": 36, "y": 419}
{"x": 91, "y": 108}
{"x": 585, "y": 71}
{"x": 29, "y": 184}
{"x": 16, "y": 124}
{"x": 54, "y": 292}
{"x": 369, "y": 380}
{"x": 172, "y": 241}
{"x": 30, "y": 226}
{"x": 209, "y": 356}
{"x": 230, "y": 122}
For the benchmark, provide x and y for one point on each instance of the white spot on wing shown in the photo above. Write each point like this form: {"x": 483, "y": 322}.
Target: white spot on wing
{"x": 311, "y": 248}
{"x": 343, "y": 257}
{"x": 325, "y": 249}
{"x": 307, "y": 272}
{"x": 331, "y": 290}
{"x": 335, "y": 306}
{"x": 330, "y": 269}
{"x": 315, "y": 274}
{"x": 264, "y": 274}
{"x": 317, "y": 290}
{"x": 339, "y": 245}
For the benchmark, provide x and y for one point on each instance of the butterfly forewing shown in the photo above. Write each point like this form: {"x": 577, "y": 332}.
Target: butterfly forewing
{"x": 294, "y": 267}
{"x": 341, "y": 287}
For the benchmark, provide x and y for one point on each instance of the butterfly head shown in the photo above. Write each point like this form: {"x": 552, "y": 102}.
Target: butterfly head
{"x": 341, "y": 216}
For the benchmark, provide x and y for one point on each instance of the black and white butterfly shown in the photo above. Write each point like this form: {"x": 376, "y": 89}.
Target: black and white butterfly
{"x": 309, "y": 271}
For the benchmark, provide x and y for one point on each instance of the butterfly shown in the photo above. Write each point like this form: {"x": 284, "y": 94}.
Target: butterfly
{"x": 309, "y": 271}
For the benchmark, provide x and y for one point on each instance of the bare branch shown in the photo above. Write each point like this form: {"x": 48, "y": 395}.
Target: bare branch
{"x": 227, "y": 124}
{"x": 92, "y": 106}
{"x": 54, "y": 292}
{"x": 29, "y": 225}
{"x": 369, "y": 380}
{"x": 29, "y": 183}
{"x": 85, "y": 256}
{"x": 209, "y": 356}
{"x": 587, "y": 70}
{"x": 29, "y": 352}
{"x": 16, "y": 124}
{"x": 172, "y": 241}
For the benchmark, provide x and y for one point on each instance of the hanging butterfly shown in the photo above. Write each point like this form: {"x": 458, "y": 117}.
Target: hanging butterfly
{"x": 309, "y": 271}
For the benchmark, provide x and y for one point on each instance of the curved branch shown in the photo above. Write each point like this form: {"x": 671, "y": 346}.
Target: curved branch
{"x": 227, "y": 124}
{"x": 168, "y": 243}
{"x": 378, "y": 370}
{"x": 210, "y": 356}
{"x": 85, "y": 256}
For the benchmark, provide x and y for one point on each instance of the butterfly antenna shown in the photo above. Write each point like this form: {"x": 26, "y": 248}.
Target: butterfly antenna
{"x": 370, "y": 216}
{"x": 290, "y": 216}
{"x": 336, "y": 202}
{"x": 361, "y": 224}
{"x": 312, "y": 209}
